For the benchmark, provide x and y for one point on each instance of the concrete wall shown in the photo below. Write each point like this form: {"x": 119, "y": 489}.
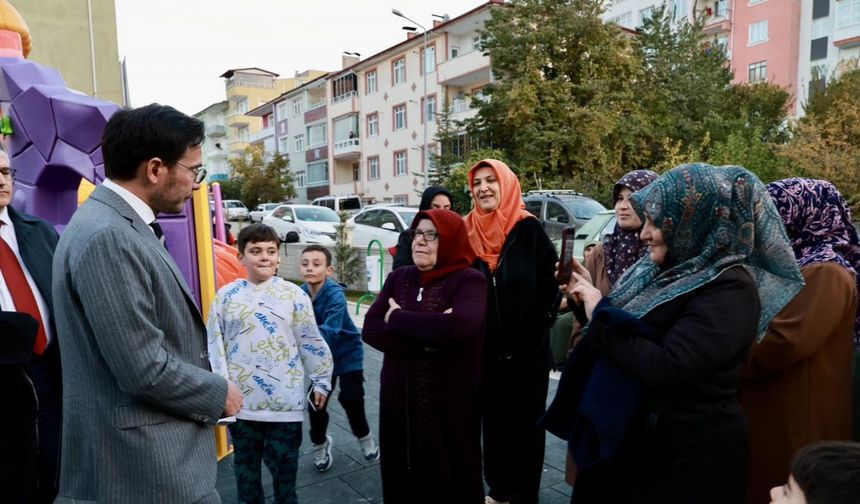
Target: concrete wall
{"x": 291, "y": 253}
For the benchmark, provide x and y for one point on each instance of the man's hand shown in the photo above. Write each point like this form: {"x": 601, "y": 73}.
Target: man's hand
{"x": 235, "y": 399}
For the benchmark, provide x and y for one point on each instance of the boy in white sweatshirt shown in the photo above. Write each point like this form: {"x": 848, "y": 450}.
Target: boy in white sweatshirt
{"x": 263, "y": 336}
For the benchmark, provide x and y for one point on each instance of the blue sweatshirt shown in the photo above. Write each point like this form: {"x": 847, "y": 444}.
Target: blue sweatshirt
{"x": 336, "y": 327}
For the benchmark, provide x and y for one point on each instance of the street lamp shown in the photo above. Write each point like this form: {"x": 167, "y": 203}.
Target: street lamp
{"x": 423, "y": 101}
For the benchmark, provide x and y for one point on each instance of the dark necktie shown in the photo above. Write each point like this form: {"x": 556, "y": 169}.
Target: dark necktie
{"x": 159, "y": 233}
{"x": 22, "y": 294}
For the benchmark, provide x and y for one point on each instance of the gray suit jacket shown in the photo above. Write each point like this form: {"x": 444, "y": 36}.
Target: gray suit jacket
{"x": 138, "y": 394}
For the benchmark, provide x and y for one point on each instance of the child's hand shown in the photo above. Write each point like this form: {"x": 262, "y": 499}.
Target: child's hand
{"x": 319, "y": 400}
{"x": 392, "y": 305}
{"x": 449, "y": 310}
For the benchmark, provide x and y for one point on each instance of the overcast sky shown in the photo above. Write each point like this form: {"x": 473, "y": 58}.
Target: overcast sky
{"x": 176, "y": 50}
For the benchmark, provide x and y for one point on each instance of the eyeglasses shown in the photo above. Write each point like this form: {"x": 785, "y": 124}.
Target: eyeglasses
{"x": 7, "y": 173}
{"x": 199, "y": 173}
{"x": 428, "y": 235}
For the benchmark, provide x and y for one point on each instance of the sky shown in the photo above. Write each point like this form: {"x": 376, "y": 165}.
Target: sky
{"x": 176, "y": 50}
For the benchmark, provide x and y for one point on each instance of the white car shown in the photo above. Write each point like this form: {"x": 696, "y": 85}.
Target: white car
{"x": 381, "y": 223}
{"x": 236, "y": 210}
{"x": 314, "y": 224}
{"x": 262, "y": 210}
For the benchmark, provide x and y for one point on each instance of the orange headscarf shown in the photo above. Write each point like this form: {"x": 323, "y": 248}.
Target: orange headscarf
{"x": 488, "y": 230}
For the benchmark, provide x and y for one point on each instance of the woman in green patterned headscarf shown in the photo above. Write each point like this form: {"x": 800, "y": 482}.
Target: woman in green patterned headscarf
{"x": 719, "y": 268}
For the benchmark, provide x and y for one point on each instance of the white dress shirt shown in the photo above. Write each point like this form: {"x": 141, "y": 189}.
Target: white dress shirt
{"x": 7, "y": 232}
{"x": 138, "y": 205}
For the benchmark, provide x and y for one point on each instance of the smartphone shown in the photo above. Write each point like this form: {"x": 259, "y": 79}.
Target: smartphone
{"x": 565, "y": 262}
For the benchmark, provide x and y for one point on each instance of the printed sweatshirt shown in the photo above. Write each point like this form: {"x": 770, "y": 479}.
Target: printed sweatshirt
{"x": 264, "y": 338}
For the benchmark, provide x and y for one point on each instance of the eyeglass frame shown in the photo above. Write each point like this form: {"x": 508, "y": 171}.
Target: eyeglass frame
{"x": 423, "y": 234}
{"x": 11, "y": 176}
{"x": 199, "y": 173}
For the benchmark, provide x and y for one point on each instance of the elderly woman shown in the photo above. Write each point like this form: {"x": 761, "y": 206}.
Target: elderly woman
{"x": 797, "y": 381}
{"x": 429, "y": 322}
{"x": 433, "y": 198}
{"x": 679, "y": 325}
{"x": 517, "y": 259}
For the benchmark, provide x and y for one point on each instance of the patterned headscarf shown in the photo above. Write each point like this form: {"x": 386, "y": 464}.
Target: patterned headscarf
{"x": 622, "y": 249}
{"x": 819, "y": 226}
{"x": 711, "y": 218}
{"x": 489, "y": 230}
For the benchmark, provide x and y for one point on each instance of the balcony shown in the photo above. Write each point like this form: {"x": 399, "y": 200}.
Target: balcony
{"x": 218, "y": 155}
{"x": 237, "y": 121}
{"x": 345, "y": 96}
{"x": 216, "y": 130}
{"x": 459, "y": 107}
{"x": 347, "y": 149}
{"x": 717, "y": 21}
{"x": 467, "y": 70}
{"x": 262, "y": 135}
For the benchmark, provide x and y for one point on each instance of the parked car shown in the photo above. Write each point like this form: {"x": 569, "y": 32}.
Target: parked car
{"x": 236, "y": 210}
{"x": 314, "y": 224}
{"x": 262, "y": 210}
{"x": 349, "y": 203}
{"x": 599, "y": 226}
{"x": 557, "y": 209}
{"x": 381, "y": 223}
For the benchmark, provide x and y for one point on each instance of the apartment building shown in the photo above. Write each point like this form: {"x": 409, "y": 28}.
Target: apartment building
{"x": 761, "y": 38}
{"x": 829, "y": 43}
{"x": 215, "y": 153}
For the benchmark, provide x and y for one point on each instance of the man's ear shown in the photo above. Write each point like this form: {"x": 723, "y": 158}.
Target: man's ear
{"x": 152, "y": 167}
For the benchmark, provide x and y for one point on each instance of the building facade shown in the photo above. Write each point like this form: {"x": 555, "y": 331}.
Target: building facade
{"x": 215, "y": 148}
{"x": 79, "y": 40}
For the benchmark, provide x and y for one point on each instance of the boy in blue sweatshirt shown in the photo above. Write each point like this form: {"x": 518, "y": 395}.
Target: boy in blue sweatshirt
{"x": 344, "y": 340}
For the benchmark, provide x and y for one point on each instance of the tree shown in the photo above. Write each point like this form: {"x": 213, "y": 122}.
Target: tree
{"x": 231, "y": 188}
{"x": 563, "y": 93}
{"x": 346, "y": 259}
{"x": 264, "y": 178}
{"x": 826, "y": 142}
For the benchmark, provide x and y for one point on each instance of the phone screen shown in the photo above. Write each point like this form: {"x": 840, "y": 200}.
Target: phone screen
{"x": 565, "y": 262}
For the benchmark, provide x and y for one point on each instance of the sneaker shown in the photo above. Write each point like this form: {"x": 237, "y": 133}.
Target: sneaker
{"x": 369, "y": 448}
{"x": 490, "y": 500}
{"x": 322, "y": 455}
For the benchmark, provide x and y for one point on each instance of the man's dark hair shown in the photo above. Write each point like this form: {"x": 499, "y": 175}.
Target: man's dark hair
{"x": 828, "y": 472}
{"x": 133, "y": 136}
{"x": 319, "y": 248}
{"x": 256, "y": 233}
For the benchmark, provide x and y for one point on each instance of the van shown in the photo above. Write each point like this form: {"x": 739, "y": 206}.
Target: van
{"x": 349, "y": 203}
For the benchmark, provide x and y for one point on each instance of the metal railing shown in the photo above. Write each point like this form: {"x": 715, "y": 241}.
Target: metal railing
{"x": 345, "y": 96}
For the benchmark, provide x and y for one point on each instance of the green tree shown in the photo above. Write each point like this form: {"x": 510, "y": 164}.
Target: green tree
{"x": 231, "y": 188}
{"x": 563, "y": 94}
{"x": 346, "y": 258}
{"x": 264, "y": 178}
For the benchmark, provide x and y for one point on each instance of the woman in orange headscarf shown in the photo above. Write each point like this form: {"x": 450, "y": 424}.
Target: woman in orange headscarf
{"x": 518, "y": 259}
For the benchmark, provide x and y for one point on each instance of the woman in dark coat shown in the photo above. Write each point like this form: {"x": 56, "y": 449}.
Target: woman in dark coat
{"x": 429, "y": 322}
{"x": 434, "y": 197}
{"x": 518, "y": 260}
{"x": 719, "y": 268}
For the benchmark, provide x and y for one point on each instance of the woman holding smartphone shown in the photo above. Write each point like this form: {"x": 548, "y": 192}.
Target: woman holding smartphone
{"x": 518, "y": 260}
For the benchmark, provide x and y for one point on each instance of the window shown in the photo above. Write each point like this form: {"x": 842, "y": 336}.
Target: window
{"x": 300, "y": 179}
{"x": 298, "y": 106}
{"x": 398, "y": 71}
{"x": 758, "y": 32}
{"x": 533, "y": 206}
{"x": 346, "y": 130}
{"x": 282, "y": 110}
{"x": 283, "y": 145}
{"x": 645, "y": 14}
{"x": 373, "y": 168}
{"x": 723, "y": 43}
{"x": 476, "y": 42}
{"x": 370, "y": 84}
{"x": 820, "y": 28}
{"x": 678, "y": 9}
{"x": 370, "y": 218}
{"x": 556, "y": 213}
{"x": 317, "y": 135}
{"x": 400, "y": 167}
{"x": 356, "y": 172}
{"x": 721, "y": 8}
{"x": 300, "y": 143}
{"x": 758, "y": 71}
{"x": 625, "y": 20}
{"x": 455, "y": 51}
{"x": 242, "y": 106}
{"x": 243, "y": 134}
{"x": 373, "y": 125}
{"x": 318, "y": 173}
{"x": 429, "y": 58}
{"x": 399, "y": 116}
{"x": 429, "y": 109}
{"x": 847, "y": 13}
{"x": 388, "y": 217}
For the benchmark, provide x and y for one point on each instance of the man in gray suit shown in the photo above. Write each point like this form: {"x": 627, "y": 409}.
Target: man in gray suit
{"x": 139, "y": 398}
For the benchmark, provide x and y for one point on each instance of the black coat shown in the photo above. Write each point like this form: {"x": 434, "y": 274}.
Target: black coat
{"x": 691, "y": 442}
{"x": 523, "y": 294}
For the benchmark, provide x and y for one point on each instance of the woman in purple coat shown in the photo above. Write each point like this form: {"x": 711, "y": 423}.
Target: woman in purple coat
{"x": 429, "y": 322}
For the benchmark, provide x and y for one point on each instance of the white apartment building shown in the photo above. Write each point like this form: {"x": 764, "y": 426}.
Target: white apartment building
{"x": 631, "y": 13}
{"x": 829, "y": 43}
{"x": 215, "y": 146}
